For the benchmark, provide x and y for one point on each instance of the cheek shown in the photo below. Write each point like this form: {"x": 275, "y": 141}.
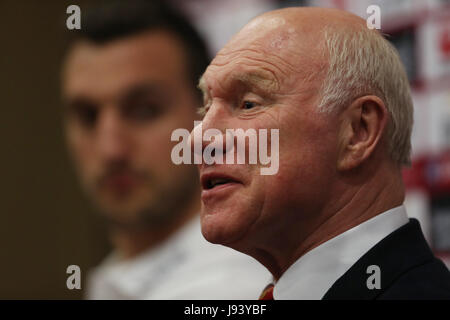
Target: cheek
{"x": 306, "y": 168}
{"x": 298, "y": 163}
{"x": 154, "y": 149}
{"x": 275, "y": 189}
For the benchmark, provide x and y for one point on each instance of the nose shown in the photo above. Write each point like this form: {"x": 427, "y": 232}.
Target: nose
{"x": 211, "y": 131}
{"x": 112, "y": 143}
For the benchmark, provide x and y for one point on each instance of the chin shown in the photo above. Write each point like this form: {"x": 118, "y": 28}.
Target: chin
{"x": 211, "y": 231}
{"x": 223, "y": 227}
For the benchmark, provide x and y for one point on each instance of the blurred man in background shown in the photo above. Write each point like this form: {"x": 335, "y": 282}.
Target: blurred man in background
{"x": 128, "y": 81}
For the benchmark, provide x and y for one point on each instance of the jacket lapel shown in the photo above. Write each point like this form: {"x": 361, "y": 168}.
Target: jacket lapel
{"x": 400, "y": 251}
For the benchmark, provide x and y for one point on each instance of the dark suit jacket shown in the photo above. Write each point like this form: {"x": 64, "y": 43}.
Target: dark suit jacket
{"x": 408, "y": 270}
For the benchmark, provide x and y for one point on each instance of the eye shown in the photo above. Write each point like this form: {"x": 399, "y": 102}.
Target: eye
{"x": 141, "y": 111}
{"x": 248, "y": 105}
{"x": 84, "y": 113}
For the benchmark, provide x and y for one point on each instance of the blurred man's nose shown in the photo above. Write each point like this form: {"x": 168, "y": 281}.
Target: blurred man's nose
{"x": 111, "y": 135}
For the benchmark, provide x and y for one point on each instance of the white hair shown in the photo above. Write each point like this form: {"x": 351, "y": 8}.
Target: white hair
{"x": 360, "y": 63}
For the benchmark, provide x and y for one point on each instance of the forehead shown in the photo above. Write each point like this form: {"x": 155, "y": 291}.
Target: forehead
{"x": 155, "y": 56}
{"x": 272, "y": 51}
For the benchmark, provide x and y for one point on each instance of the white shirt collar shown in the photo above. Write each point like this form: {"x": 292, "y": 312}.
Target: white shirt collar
{"x": 132, "y": 278}
{"x": 185, "y": 266}
{"x": 314, "y": 273}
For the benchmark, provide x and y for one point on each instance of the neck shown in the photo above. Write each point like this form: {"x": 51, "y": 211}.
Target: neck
{"x": 129, "y": 243}
{"x": 352, "y": 206}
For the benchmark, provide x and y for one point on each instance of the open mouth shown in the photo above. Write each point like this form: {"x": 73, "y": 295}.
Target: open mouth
{"x": 211, "y": 181}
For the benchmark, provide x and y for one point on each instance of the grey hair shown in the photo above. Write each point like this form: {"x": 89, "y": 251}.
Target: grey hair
{"x": 362, "y": 62}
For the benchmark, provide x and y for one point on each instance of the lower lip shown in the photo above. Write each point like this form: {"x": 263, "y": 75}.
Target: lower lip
{"x": 121, "y": 184}
{"x": 220, "y": 191}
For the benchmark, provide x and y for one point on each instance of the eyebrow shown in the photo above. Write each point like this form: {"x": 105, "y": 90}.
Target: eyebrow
{"x": 202, "y": 85}
{"x": 144, "y": 88}
{"x": 262, "y": 80}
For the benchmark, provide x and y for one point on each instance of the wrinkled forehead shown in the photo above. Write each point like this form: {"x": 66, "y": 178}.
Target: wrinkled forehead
{"x": 271, "y": 46}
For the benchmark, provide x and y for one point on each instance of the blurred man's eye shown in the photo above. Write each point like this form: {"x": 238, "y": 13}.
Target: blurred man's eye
{"x": 84, "y": 114}
{"x": 141, "y": 111}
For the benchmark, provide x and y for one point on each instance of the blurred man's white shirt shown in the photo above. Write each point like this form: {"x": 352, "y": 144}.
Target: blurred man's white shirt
{"x": 185, "y": 266}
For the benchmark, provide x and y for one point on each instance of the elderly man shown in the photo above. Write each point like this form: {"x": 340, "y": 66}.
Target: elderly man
{"x": 330, "y": 223}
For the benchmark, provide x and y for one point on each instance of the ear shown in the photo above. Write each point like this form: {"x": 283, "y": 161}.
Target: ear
{"x": 362, "y": 127}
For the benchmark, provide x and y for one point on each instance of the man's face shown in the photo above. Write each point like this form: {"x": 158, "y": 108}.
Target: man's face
{"x": 262, "y": 80}
{"x": 124, "y": 98}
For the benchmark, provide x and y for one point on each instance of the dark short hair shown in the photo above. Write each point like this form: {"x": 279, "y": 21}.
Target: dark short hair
{"x": 117, "y": 19}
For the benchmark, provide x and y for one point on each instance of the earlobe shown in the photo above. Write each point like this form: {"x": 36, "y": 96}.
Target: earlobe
{"x": 363, "y": 124}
